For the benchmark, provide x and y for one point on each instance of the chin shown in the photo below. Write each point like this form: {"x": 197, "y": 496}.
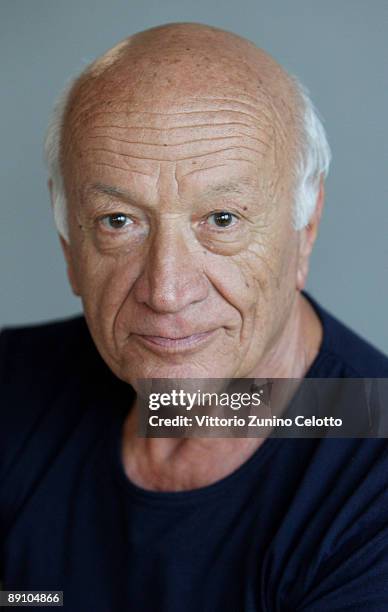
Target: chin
{"x": 139, "y": 361}
{"x": 186, "y": 378}
{"x": 173, "y": 371}
{"x": 183, "y": 371}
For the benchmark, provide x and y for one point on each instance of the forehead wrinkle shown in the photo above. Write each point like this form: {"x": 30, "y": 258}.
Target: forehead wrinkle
{"x": 126, "y": 169}
{"x": 182, "y": 143}
{"x": 118, "y": 130}
{"x": 261, "y": 123}
{"x": 87, "y": 116}
{"x": 94, "y": 106}
{"x": 259, "y": 112}
{"x": 174, "y": 158}
{"x": 176, "y": 127}
{"x": 134, "y": 145}
{"x": 205, "y": 168}
{"x": 129, "y": 102}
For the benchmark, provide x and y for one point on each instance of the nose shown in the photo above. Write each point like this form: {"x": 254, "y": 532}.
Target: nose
{"x": 171, "y": 278}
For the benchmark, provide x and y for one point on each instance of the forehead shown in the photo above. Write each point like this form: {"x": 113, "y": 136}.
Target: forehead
{"x": 198, "y": 141}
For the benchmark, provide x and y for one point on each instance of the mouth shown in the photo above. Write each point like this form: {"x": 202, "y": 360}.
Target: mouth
{"x": 165, "y": 344}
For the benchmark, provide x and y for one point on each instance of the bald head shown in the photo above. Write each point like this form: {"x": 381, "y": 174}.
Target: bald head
{"x": 192, "y": 68}
{"x": 187, "y": 58}
{"x": 180, "y": 63}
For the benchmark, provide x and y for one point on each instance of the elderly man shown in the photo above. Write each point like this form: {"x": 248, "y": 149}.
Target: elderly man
{"x": 187, "y": 174}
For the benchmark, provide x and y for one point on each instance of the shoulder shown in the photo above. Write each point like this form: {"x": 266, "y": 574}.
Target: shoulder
{"x": 54, "y": 388}
{"x": 39, "y": 365}
{"x": 42, "y": 370}
{"x": 41, "y": 351}
{"x": 344, "y": 352}
{"x": 341, "y": 505}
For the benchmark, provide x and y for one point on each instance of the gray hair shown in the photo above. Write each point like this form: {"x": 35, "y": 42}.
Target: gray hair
{"x": 311, "y": 164}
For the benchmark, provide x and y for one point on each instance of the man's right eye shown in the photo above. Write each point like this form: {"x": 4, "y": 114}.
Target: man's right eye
{"x": 116, "y": 221}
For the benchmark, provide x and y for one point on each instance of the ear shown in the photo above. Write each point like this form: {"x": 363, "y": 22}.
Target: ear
{"x": 66, "y": 251}
{"x": 71, "y": 275}
{"x": 307, "y": 238}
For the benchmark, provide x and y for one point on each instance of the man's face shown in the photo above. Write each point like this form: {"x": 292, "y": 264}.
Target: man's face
{"x": 181, "y": 240}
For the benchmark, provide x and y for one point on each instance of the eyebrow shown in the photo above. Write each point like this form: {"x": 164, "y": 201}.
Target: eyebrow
{"x": 239, "y": 187}
{"x": 112, "y": 191}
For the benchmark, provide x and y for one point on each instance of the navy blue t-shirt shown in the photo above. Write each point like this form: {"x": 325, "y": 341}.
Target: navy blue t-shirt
{"x": 302, "y": 525}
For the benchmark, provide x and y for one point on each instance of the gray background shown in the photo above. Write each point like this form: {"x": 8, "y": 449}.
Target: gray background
{"x": 337, "y": 47}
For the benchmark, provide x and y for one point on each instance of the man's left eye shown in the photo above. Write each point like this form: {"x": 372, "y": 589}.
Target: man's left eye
{"x": 116, "y": 221}
{"x": 222, "y": 218}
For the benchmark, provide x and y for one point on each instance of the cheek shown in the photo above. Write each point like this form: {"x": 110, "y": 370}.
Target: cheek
{"x": 264, "y": 278}
{"x": 260, "y": 266}
{"x": 105, "y": 282}
{"x": 243, "y": 281}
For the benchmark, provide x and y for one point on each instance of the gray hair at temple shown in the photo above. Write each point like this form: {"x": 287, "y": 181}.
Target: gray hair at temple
{"x": 311, "y": 164}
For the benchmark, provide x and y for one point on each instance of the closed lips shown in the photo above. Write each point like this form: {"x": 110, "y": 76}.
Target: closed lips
{"x": 175, "y": 341}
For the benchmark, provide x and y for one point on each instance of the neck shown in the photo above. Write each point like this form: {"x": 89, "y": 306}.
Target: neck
{"x": 171, "y": 464}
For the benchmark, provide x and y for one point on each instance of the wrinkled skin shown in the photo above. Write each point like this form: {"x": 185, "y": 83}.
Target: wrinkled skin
{"x": 170, "y": 128}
